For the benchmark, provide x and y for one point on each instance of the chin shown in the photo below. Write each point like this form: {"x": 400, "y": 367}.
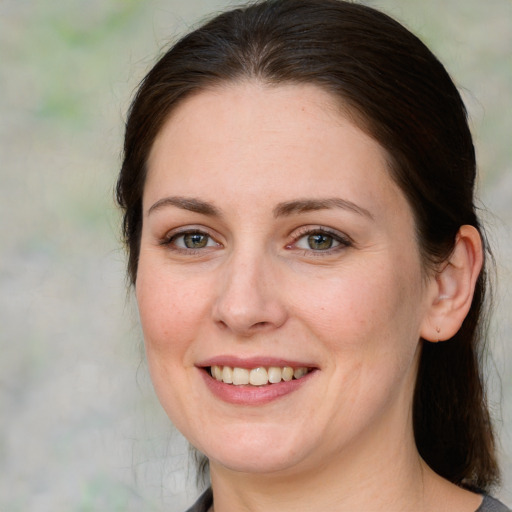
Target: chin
{"x": 256, "y": 453}
{"x": 254, "y": 462}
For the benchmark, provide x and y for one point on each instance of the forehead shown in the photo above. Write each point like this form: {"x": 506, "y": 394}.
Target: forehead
{"x": 250, "y": 105}
{"x": 293, "y": 139}
{"x": 256, "y": 105}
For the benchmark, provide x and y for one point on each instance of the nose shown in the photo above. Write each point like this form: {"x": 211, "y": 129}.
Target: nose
{"x": 248, "y": 299}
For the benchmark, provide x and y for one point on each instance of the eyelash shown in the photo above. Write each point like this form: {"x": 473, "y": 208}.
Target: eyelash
{"x": 342, "y": 240}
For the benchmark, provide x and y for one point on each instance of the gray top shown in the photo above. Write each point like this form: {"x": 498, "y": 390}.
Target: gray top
{"x": 492, "y": 505}
{"x": 488, "y": 504}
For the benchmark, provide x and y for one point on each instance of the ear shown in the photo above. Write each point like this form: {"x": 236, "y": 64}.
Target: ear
{"x": 453, "y": 287}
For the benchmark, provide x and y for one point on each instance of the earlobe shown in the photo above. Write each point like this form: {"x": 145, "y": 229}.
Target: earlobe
{"x": 454, "y": 287}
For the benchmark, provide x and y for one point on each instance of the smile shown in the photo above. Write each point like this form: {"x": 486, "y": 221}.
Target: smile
{"x": 260, "y": 376}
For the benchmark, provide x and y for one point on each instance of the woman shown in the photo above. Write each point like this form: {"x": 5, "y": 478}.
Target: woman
{"x": 297, "y": 188}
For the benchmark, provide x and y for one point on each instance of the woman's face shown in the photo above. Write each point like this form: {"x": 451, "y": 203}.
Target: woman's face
{"x": 274, "y": 238}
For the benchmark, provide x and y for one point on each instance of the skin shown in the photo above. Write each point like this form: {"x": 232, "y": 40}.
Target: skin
{"x": 355, "y": 312}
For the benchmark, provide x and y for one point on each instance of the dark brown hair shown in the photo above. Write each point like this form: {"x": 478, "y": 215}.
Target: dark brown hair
{"x": 397, "y": 91}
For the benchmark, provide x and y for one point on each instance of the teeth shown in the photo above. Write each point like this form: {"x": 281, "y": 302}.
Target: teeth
{"x": 217, "y": 372}
{"x": 240, "y": 376}
{"x": 274, "y": 375}
{"x": 287, "y": 373}
{"x": 299, "y": 372}
{"x": 227, "y": 375}
{"x": 256, "y": 376}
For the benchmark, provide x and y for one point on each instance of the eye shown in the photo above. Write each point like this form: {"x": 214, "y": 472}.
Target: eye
{"x": 190, "y": 240}
{"x": 317, "y": 242}
{"x": 194, "y": 240}
{"x": 320, "y": 240}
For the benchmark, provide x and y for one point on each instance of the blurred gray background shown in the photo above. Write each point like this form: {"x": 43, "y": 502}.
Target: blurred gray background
{"x": 80, "y": 428}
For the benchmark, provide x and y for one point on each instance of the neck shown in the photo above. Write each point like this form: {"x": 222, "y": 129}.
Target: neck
{"x": 367, "y": 476}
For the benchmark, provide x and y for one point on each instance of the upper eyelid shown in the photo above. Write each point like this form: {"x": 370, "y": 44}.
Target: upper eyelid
{"x": 306, "y": 230}
{"x": 183, "y": 230}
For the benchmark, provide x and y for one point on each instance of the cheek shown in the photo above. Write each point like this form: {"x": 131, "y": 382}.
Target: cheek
{"x": 171, "y": 310}
{"x": 365, "y": 307}
{"x": 172, "y": 313}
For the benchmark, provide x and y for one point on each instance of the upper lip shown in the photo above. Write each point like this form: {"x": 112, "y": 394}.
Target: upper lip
{"x": 253, "y": 362}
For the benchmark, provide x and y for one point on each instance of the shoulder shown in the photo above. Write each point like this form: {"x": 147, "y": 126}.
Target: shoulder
{"x": 490, "y": 504}
{"x": 206, "y": 501}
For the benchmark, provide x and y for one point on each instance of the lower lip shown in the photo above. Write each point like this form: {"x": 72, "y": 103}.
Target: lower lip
{"x": 253, "y": 395}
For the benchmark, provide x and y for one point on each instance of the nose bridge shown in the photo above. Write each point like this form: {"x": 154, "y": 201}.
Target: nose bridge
{"x": 247, "y": 299}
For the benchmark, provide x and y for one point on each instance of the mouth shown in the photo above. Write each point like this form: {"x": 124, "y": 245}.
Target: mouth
{"x": 254, "y": 381}
{"x": 258, "y": 376}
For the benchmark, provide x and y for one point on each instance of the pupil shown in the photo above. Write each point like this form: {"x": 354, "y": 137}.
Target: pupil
{"x": 195, "y": 240}
{"x": 319, "y": 241}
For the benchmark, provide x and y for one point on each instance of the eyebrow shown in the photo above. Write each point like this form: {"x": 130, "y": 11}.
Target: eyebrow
{"x": 186, "y": 203}
{"x": 309, "y": 205}
{"x": 281, "y": 210}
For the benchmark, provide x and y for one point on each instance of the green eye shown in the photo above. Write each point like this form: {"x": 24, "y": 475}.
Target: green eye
{"x": 320, "y": 241}
{"x": 190, "y": 240}
{"x": 195, "y": 240}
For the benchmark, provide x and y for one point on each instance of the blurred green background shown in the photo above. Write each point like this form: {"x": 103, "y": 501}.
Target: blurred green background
{"x": 80, "y": 429}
